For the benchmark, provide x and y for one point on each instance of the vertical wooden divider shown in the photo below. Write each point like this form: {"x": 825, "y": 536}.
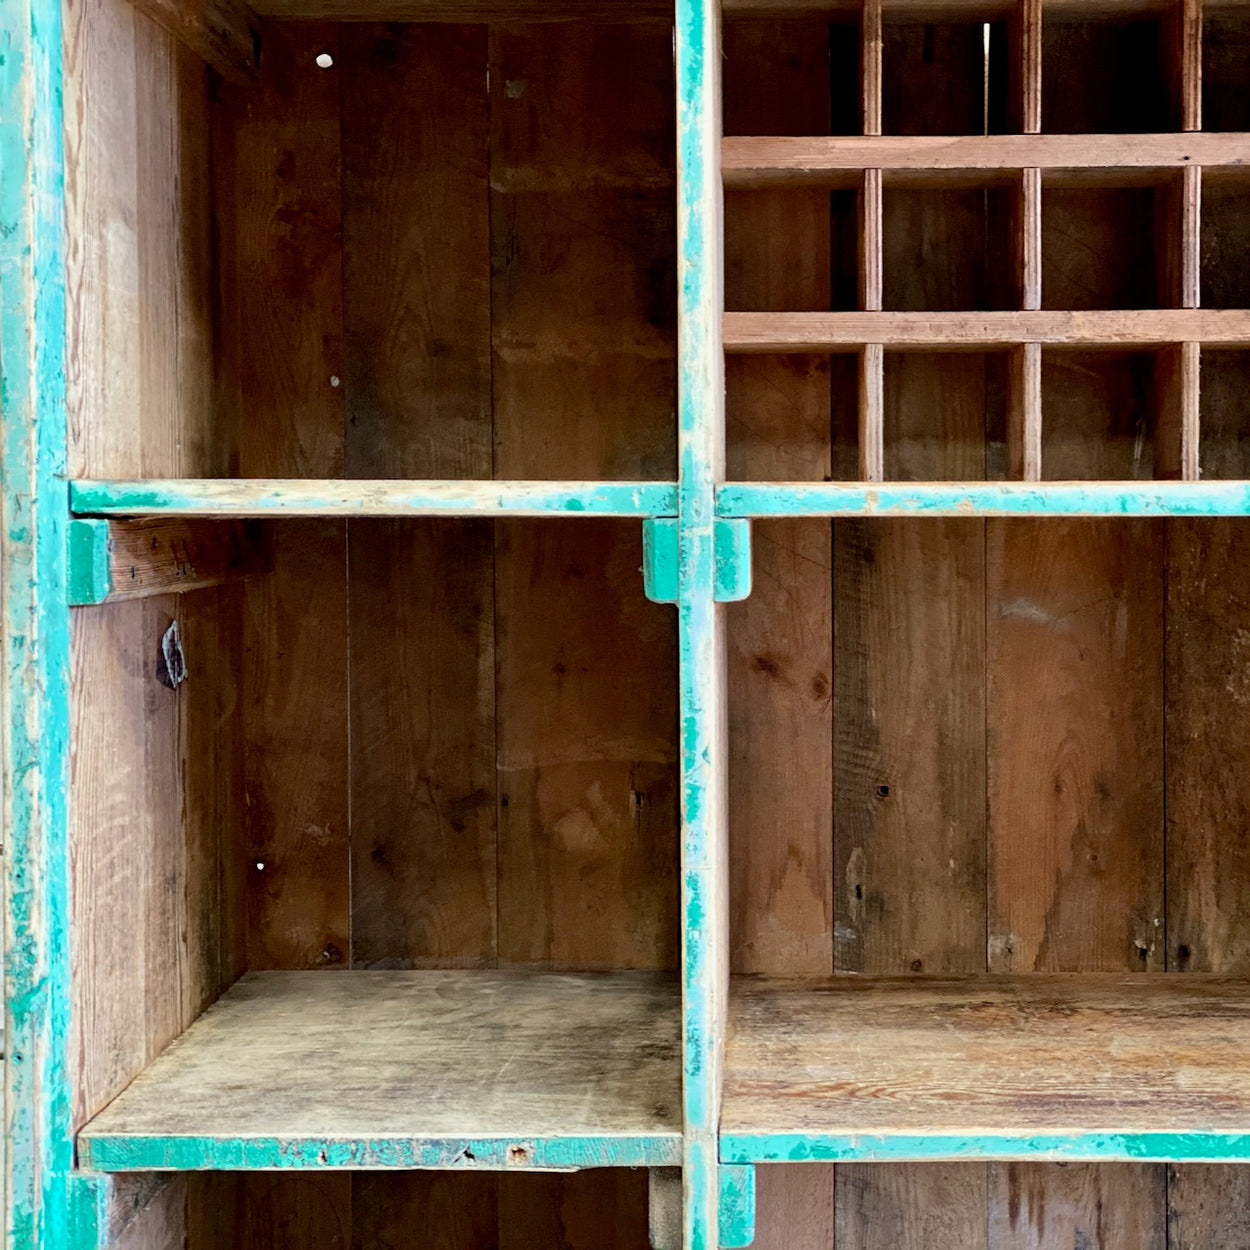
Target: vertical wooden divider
{"x": 1024, "y": 409}
{"x": 871, "y": 245}
{"x": 583, "y": 345}
{"x": 780, "y": 640}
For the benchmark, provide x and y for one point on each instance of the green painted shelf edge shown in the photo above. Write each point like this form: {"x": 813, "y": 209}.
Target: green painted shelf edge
{"x": 255, "y": 497}
{"x": 140, "y": 1154}
{"x": 742, "y": 1148}
{"x": 984, "y": 499}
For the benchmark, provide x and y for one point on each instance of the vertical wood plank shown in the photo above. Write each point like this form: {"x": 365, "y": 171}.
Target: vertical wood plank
{"x": 581, "y": 1211}
{"x": 870, "y": 66}
{"x": 1208, "y": 872}
{"x": 295, "y": 707}
{"x": 583, "y": 294}
{"x": 417, "y": 341}
{"x": 1207, "y": 1206}
{"x": 1067, "y": 1205}
{"x": 282, "y": 280}
{"x": 1024, "y": 414}
{"x": 1025, "y": 71}
{"x": 779, "y": 641}
{"x": 1208, "y": 928}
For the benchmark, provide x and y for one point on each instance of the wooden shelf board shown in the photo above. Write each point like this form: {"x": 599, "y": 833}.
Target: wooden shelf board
{"x": 1064, "y": 1066}
{"x": 823, "y": 160}
{"x": 790, "y": 332}
{"x": 938, "y": 499}
{"x": 268, "y": 497}
{"x": 409, "y": 1070}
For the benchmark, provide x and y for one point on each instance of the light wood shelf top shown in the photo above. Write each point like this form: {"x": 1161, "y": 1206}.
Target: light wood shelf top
{"x": 1062, "y": 1066}
{"x": 409, "y": 1069}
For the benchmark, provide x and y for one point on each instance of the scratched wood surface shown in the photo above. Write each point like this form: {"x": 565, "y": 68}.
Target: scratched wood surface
{"x": 414, "y": 1055}
{"x": 1051, "y": 1053}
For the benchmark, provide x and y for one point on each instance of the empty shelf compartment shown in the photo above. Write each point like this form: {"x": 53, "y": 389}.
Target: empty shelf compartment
{"x": 1151, "y": 1066}
{"x": 409, "y": 1070}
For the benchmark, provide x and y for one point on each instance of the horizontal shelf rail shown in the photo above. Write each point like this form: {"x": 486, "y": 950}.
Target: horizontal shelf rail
{"x": 792, "y": 332}
{"x": 823, "y": 160}
{"x": 1003, "y": 1147}
{"x": 987, "y": 499}
{"x": 269, "y": 497}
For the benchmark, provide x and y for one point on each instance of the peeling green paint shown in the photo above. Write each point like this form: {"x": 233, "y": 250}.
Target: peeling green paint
{"x": 737, "y": 1206}
{"x": 38, "y": 1149}
{"x": 138, "y": 1154}
{"x": 905, "y": 1148}
{"x": 661, "y": 565}
{"x": 1127, "y": 499}
{"x": 89, "y": 578}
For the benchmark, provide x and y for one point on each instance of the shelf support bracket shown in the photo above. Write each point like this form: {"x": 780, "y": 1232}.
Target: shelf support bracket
{"x": 87, "y": 566}
{"x": 737, "y": 1205}
{"x": 661, "y": 554}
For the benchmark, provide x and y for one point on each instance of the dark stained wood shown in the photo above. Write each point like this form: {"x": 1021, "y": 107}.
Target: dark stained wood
{"x": 581, "y": 1211}
{"x": 418, "y": 402}
{"x": 1113, "y": 1205}
{"x": 279, "y": 222}
{"x": 780, "y": 640}
{"x": 224, "y": 32}
{"x": 881, "y": 1207}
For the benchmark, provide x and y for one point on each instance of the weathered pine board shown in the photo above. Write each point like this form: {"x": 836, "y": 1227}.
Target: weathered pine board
{"x": 780, "y": 640}
{"x": 1019, "y": 1056}
{"x": 378, "y": 1067}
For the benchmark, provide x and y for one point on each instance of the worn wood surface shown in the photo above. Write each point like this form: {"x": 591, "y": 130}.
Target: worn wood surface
{"x": 223, "y": 32}
{"x": 986, "y": 1054}
{"x": 757, "y": 160}
{"x": 365, "y": 1056}
{"x": 961, "y": 331}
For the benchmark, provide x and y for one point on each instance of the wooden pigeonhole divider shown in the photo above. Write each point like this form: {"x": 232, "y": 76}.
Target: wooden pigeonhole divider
{"x": 389, "y": 862}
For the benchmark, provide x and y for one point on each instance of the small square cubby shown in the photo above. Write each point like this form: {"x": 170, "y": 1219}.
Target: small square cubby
{"x": 945, "y": 415}
{"x": 948, "y": 248}
{"x": 1106, "y": 246}
{"x": 1225, "y": 239}
{"x": 1224, "y": 414}
{"x": 1226, "y": 69}
{"x": 1107, "y": 75}
{"x": 800, "y": 76}
{"x": 1100, "y": 412}
{"x": 947, "y": 74}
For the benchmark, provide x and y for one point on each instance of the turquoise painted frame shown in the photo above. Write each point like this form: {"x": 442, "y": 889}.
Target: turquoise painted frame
{"x": 559, "y": 1154}
{"x": 37, "y": 1107}
{"x": 1154, "y": 1147}
{"x": 700, "y": 462}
